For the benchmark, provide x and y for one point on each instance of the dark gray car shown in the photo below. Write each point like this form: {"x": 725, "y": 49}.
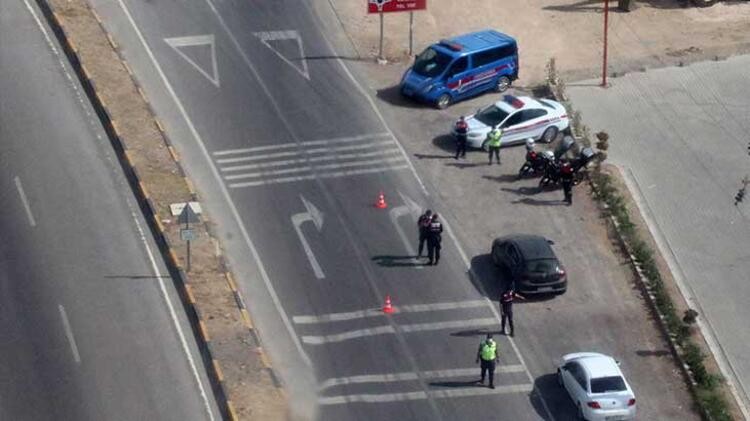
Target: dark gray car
{"x": 532, "y": 264}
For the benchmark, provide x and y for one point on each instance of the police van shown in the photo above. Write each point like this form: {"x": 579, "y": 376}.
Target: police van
{"x": 462, "y": 66}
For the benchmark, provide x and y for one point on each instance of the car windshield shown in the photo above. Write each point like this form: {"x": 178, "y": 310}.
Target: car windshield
{"x": 491, "y": 116}
{"x": 431, "y": 63}
{"x": 607, "y": 384}
{"x": 542, "y": 265}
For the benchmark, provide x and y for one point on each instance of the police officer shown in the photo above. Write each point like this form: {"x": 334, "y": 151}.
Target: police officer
{"x": 461, "y": 132}
{"x": 566, "y": 178}
{"x": 493, "y": 143}
{"x": 506, "y": 309}
{"x": 488, "y": 356}
{"x": 434, "y": 240}
{"x": 423, "y": 224}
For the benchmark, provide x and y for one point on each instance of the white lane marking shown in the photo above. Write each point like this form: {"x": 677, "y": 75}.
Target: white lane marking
{"x": 69, "y": 334}
{"x": 335, "y": 157}
{"x": 410, "y": 376}
{"x": 26, "y": 206}
{"x": 256, "y": 157}
{"x": 317, "y": 167}
{"x": 381, "y": 330}
{"x": 194, "y": 41}
{"x": 267, "y": 36}
{"x": 224, "y": 189}
{"x": 482, "y": 291}
{"x": 314, "y": 176}
{"x": 437, "y": 394}
{"x": 409, "y": 308}
{"x": 315, "y": 216}
{"x": 300, "y": 144}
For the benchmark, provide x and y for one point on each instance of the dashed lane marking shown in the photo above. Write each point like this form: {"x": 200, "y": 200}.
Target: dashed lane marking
{"x": 381, "y": 330}
{"x": 25, "y": 202}
{"x": 409, "y": 308}
{"x": 69, "y": 334}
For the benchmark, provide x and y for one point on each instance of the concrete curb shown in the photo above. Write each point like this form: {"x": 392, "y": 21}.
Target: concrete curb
{"x": 147, "y": 205}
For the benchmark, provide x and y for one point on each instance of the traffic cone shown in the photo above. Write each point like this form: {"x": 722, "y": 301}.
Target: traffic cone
{"x": 388, "y": 308}
{"x": 380, "y": 204}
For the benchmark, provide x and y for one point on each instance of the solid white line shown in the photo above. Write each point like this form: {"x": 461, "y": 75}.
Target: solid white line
{"x": 324, "y": 175}
{"x": 26, "y": 206}
{"x": 334, "y": 157}
{"x": 437, "y": 394}
{"x": 409, "y": 308}
{"x": 409, "y": 376}
{"x": 327, "y": 149}
{"x": 380, "y": 330}
{"x": 224, "y": 190}
{"x": 69, "y": 334}
{"x": 316, "y": 167}
{"x": 305, "y": 143}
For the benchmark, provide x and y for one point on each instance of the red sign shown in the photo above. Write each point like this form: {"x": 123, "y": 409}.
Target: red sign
{"x": 378, "y": 6}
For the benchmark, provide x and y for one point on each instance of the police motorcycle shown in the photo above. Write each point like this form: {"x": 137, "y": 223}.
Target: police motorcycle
{"x": 553, "y": 171}
{"x": 536, "y": 162}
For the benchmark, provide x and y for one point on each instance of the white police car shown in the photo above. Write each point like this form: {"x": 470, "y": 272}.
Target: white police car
{"x": 520, "y": 118}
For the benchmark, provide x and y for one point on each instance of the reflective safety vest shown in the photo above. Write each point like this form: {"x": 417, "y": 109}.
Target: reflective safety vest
{"x": 489, "y": 350}
{"x": 494, "y": 137}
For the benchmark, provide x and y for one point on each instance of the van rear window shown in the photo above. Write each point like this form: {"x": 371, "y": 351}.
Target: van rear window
{"x": 431, "y": 63}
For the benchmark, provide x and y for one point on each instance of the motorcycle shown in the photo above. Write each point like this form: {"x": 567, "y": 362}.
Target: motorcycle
{"x": 552, "y": 172}
{"x": 534, "y": 165}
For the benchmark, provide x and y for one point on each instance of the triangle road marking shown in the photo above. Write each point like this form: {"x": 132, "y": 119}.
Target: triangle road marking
{"x": 267, "y": 36}
{"x": 197, "y": 40}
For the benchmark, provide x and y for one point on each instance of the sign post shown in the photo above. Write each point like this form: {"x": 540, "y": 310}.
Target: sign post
{"x": 606, "y": 24}
{"x": 187, "y": 234}
{"x": 385, "y": 6}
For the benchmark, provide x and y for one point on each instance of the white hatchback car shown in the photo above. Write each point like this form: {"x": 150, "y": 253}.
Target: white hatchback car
{"x": 520, "y": 118}
{"x": 597, "y": 387}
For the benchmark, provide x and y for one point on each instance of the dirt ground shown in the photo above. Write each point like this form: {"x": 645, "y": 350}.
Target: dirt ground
{"x": 658, "y": 33}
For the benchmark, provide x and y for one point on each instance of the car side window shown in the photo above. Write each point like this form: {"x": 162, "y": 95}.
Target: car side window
{"x": 580, "y": 376}
{"x": 533, "y": 113}
{"x": 459, "y": 66}
{"x": 516, "y": 118}
{"x": 514, "y": 256}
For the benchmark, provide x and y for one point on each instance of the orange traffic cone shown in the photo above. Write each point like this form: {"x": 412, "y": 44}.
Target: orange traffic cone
{"x": 380, "y": 204}
{"x": 388, "y": 308}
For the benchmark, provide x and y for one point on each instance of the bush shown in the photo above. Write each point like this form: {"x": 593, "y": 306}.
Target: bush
{"x": 714, "y": 405}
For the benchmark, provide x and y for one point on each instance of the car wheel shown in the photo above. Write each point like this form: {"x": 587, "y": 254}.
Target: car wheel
{"x": 559, "y": 378}
{"x": 550, "y": 134}
{"x": 443, "y": 101}
{"x": 502, "y": 84}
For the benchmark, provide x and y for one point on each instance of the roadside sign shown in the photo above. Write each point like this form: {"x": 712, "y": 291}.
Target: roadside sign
{"x": 381, "y": 6}
{"x": 187, "y": 234}
{"x": 187, "y": 216}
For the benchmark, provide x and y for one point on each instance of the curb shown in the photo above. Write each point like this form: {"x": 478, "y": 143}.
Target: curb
{"x": 148, "y": 207}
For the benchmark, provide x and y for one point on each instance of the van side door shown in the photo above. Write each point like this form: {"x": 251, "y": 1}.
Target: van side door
{"x": 457, "y": 77}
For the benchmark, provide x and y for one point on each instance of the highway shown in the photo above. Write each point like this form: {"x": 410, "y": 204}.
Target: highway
{"x": 289, "y": 157}
{"x": 93, "y": 328}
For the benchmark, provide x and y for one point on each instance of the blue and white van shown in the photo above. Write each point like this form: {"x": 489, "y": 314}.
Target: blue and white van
{"x": 462, "y": 66}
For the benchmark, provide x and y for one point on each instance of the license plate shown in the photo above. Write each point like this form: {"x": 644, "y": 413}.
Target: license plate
{"x": 547, "y": 289}
{"x": 615, "y": 418}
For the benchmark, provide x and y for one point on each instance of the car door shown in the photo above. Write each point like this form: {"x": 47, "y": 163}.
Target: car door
{"x": 512, "y": 127}
{"x": 569, "y": 380}
{"x": 576, "y": 384}
{"x": 457, "y": 78}
{"x": 533, "y": 125}
{"x": 514, "y": 261}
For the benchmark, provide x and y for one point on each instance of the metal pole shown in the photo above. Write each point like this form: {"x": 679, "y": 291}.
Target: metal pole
{"x": 380, "y": 54}
{"x": 187, "y": 227}
{"x": 411, "y": 32}
{"x": 604, "y": 65}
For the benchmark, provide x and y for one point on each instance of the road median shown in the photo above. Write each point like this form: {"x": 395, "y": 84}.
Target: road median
{"x": 244, "y": 384}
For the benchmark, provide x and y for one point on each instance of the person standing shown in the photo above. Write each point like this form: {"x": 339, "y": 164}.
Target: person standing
{"x": 506, "y": 309}
{"x": 434, "y": 240}
{"x": 493, "y": 143}
{"x": 488, "y": 356}
{"x": 461, "y": 130}
{"x": 566, "y": 179}
{"x": 423, "y": 224}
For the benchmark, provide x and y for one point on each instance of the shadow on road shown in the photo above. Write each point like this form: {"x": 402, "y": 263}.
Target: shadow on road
{"x": 487, "y": 278}
{"x": 445, "y": 142}
{"x": 522, "y": 191}
{"x": 468, "y": 383}
{"x": 137, "y": 277}
{"x": 554, "y": 396}
{"x": 392, "y": 95}
{"x": 537, "y": 202}
{"x": 397, "y": 261}
{"x": 652, "y": 353}
{"x": 504, "y": 178}
{"x": 476, "y": 332}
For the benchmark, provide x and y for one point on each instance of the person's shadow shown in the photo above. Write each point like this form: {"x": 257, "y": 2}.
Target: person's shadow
{"x": 397, "y": 261}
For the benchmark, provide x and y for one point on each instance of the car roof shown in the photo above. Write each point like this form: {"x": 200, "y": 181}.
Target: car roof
{"x": 528, "y": 102}
{"x": 599, "y": 365}
{"x": 481, "y": 40}
{"x": 532, "y": 246}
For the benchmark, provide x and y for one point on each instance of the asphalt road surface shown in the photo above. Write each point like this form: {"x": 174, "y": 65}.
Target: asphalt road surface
{"x": 289, "y": 155}
{"x": 92, "y": 326}
{"x": 681, "y": 137}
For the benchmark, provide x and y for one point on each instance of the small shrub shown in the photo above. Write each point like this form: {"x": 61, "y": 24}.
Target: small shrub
{"x": 714, "y": 405}
{"x": 690, "y": 316}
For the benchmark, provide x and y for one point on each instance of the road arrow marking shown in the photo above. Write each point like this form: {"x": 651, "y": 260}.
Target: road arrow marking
{"x": 312, "y": 214}
{"x": 408, "y": 208}
{"x": 267, "y": 36}
{"x": 194, "y": 41}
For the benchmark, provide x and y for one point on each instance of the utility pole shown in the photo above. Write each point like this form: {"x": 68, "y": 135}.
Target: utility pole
{"x": 606, "y": 24}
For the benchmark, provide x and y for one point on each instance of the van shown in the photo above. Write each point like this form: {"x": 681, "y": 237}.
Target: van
{"x": 462, "y": 66}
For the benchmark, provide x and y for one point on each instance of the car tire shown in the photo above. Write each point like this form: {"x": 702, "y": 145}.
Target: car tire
{"x": 443, "y": 101}
{"x": 502, "y": 84}
{"x": 559, "y": 378}
{"x": 550, "y": 134}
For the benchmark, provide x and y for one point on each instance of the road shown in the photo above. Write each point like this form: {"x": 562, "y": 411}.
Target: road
{"x": 680, "y": 135}
{"x": 93, "y": 328}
